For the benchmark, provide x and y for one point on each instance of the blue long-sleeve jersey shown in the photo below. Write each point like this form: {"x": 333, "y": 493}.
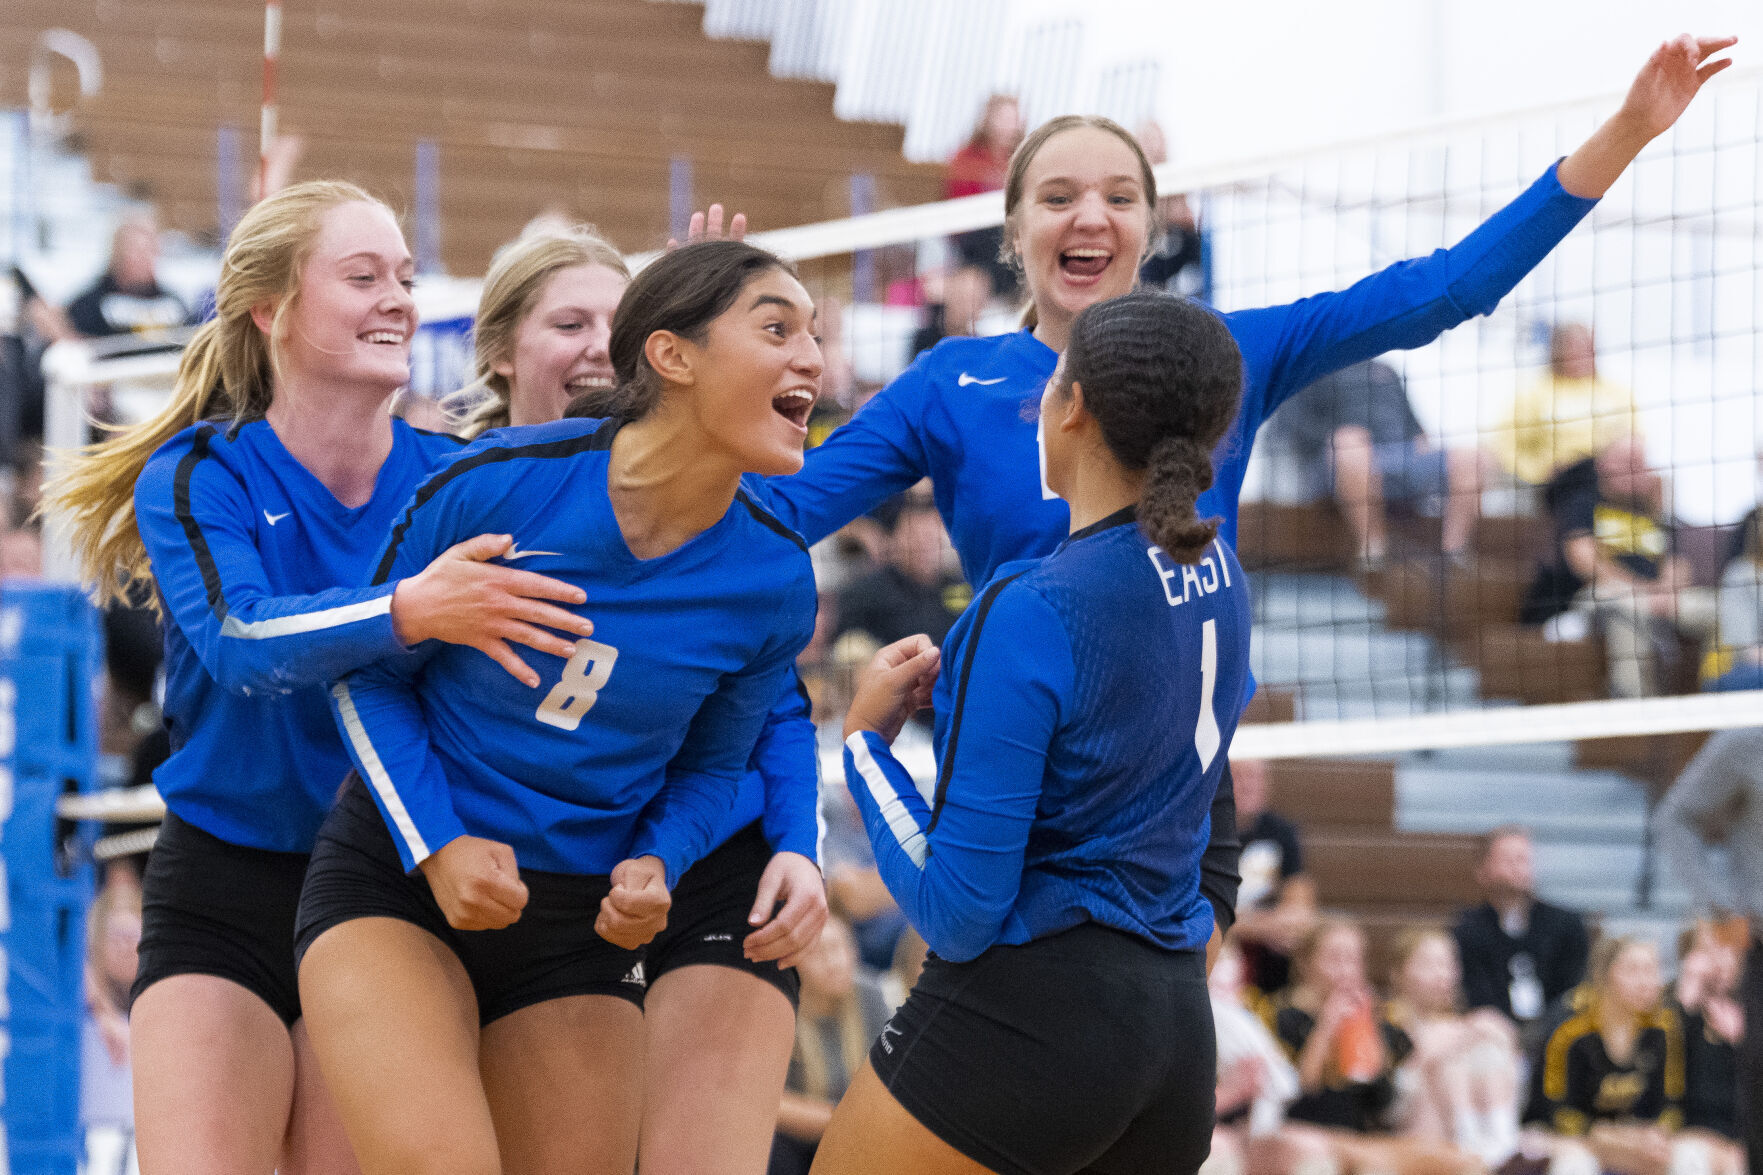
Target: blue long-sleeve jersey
{"x": 964, "y": 415}
{"x": 258, "y": 566}
{"x": 1082, "y": 712}
{"x": 634, "y": 746}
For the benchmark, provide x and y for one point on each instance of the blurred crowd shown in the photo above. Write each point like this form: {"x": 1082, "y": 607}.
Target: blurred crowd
{"x": 1513, "y": 1039}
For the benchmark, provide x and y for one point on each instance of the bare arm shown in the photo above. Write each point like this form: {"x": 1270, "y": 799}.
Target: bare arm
{"x": 1660, "y": 93}
{"x": 803, "y": 1117}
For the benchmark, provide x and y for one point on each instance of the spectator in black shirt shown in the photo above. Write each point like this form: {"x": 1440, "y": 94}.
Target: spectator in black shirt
{"x": 1615, "y": 563}
{"x": 1713, "y": 1025}
{"x": 28, "y": 325}
{"x": 1519, "y": 954}
{"x": 1616, "y": 1072}
{"x": 1359, "y": 426}
{"x": 127, "y": 297}
{"x": 913, "y": 591}
{"x": 1276, "y": 902}
{"x": 965, "y": 292}
{"x": 1177, "y": 262}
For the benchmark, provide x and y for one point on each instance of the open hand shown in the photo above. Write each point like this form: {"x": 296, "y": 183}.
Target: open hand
{"x": 785, "y": 932}
{"x": 1672, "y": 76}
{"x": 707, "y": 226}
{"x": 464, "y": 599}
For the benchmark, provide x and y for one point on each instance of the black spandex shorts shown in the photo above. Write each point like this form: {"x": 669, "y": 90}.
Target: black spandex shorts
{"x": 708, "y": 920}
{"x": 211, "y": 907}
{"x": 1085, "y": 1051}
{"x": 551, "y": 952}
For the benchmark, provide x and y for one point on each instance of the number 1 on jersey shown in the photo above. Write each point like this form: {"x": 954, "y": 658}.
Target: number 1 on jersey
{"x": 1206, "y": 732}
{"x": 584, "y": 676}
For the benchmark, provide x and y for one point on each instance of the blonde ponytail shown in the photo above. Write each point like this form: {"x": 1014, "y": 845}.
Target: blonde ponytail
{"x": 226, "y": 374}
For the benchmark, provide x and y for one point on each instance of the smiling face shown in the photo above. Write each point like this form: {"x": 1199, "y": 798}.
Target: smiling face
{"x": 352, "y": 320}
{"x": 1430, "y": 975}
{"x": 1633, "y": 984}
{"x": 756, "y": 375}
{"x": 561, "y": 345}
{"x": 1083, "y": 222}
{"x": 1337, "y": 963}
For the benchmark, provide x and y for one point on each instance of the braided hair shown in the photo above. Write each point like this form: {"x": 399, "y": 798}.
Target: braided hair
{"x": 1162, "y": 377}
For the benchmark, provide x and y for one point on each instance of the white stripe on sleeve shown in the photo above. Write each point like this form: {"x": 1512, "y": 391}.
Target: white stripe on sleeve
{"x": 257, "y": 630}
{"x": 881, "y": 790}
{"x": 376, "y": 773}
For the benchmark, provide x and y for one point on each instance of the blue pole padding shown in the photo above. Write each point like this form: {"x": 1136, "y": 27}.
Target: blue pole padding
{"x": 50, "y": 656}
{"x": 679, "y": 196}
{"x": 428, "y": 206}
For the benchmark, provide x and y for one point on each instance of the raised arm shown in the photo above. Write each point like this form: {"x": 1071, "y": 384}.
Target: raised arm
{"x": 1412, "y": 302}
{"x": 876, "y": 454}
{"x": 956, "y": 871}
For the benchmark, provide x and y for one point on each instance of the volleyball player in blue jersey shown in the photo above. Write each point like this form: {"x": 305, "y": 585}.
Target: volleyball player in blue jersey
{"x": 470, "y": 1012}
{"x": 719, "y": 998}
{"x": 1085, "y": 702}
{"x": 253, "y": 504}
{"x": 1080, "y": 205}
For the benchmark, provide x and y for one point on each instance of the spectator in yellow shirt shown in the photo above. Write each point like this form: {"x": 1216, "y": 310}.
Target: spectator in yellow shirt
{"x": 1569, "y": 414}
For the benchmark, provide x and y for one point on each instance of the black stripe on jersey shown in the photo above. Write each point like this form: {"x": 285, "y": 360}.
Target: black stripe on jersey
{"x": 598, "y": 440}
{"x": 1122, "y": 516}
{"x": 445, "y": 436}
{"x": 769, "y": 522}
{"x": 984, "y": 607}
{"x": 180, "y": 504}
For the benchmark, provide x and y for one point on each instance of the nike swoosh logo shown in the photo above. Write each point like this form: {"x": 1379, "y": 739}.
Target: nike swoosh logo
{"x": 272, "y": 519}
{"x": 514, "y": 552}
{"x": 984, "y": 383}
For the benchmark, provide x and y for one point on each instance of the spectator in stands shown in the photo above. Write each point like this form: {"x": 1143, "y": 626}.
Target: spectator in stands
{"x": 1256, "y": 1082}
{"x": 113, "y": 937}
{"x": 28, "y": 325}
{"x": 1615, "y": 565}
{"x": 1276, "y": 903}
{"x": 1177, "y": 262}
{"x": 1359, "y": 427}
{"x": 1708, "y": 968}
{"x": 1461, "y": 1083}
{"x": 1717, "y": 804}
{"x": 854, "y": 887}
{"x": 1738, "y": 662}
{"x": 21, "y": 554}
{"x": 913, "y": 591}
{"x": 842, "y": 1011}
{"x": 1569, "y": 414}
{"x": 127, "y": 297}
{"x": 1518, "y": 954}
{"x": 1346, "y": 1054}
{"x": 980, "y": 166}
{"x": 1614, "y": 1074}
{"x": 955, "y": 309}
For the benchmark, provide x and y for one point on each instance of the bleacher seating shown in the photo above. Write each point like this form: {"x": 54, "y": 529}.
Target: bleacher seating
{"x": 362, "y": 86}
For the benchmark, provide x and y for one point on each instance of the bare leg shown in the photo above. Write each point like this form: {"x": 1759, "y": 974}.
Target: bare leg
{"x": 565, "y": 1084}
{"x": 214, "y": 1078}
{"x": 1462, "y": 499}
{"x": 719, "y": 1050}
{"x": 1359, "y": 490}
{"x": 872, "y": 1134}
{"x": 316, "y": 1144}
{"x": 394, "y": 1026}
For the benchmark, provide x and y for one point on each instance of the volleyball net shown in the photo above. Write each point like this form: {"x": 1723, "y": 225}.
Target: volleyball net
{"x": 1460, "y": 615}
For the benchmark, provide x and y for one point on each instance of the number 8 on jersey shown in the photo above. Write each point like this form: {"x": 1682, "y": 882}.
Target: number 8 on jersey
{"x": 584, "y": 676}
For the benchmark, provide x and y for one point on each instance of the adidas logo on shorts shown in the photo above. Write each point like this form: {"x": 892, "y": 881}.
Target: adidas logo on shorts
{"x": 718, "y": 938}
{"x": 635, "y": 975}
